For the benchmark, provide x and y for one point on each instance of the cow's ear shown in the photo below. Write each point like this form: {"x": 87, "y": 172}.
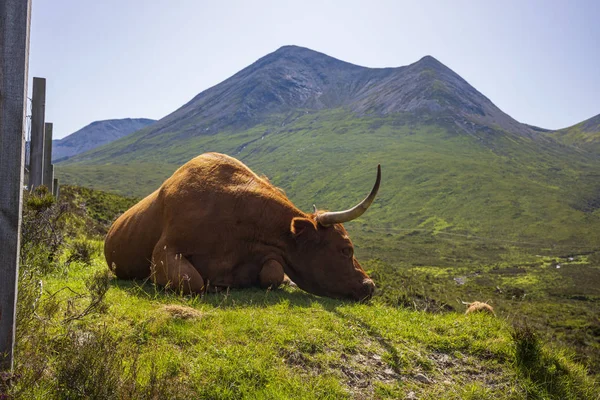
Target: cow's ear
{"x": 303, "y": 227}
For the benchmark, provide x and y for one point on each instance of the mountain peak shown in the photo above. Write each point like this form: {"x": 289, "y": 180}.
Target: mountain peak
{"x": 303, "y": 56}
{"x": 294, "y": 77}
{"x": 430, "y": 62}
{"x": 292, "y": 48}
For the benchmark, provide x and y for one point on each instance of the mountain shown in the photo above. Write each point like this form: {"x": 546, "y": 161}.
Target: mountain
{"x": 96, "y": 134}
{"x": 294, "y": 78}
{"x": 584, "y": 135}
{"x": 453, "y": 163}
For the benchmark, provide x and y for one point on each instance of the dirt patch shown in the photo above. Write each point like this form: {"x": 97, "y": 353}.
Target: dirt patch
{"x": 297, "y": 359}
{"x": 460, "y": 369}
{"x": 361, "y": 371}
{"x": 182, "y": 312}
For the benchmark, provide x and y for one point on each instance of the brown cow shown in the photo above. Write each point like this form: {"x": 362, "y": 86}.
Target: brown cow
{"x": 215, "y": 222}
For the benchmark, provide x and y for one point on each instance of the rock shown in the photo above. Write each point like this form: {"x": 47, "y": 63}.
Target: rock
{"x": 461, "y": 280}
{"x": 422, "y": 378}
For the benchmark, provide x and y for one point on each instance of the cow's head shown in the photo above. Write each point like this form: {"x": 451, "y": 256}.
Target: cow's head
{"x": 323, "y": 257}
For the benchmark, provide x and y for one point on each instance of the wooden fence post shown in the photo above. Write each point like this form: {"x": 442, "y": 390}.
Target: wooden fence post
{"x": 15, "y": 18}
{"x": 55, "y": 188}
{"x": 36, "y": 146}
{"x": 48, "y": 170}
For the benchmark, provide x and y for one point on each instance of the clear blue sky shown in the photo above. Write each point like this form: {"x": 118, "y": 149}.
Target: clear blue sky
{"x": 539, "y": 61}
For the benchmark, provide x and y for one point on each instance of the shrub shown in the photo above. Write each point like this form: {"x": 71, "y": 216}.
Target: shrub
{"x": 42, "y": 230}
{"x": 87, "y": 365}
{"x": 82, "y": 250}
{"x": 527, "y": 346}
{"x": 547, "y": 375}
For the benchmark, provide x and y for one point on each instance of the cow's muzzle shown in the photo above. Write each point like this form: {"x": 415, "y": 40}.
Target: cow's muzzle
{"x": 366, "y": 291}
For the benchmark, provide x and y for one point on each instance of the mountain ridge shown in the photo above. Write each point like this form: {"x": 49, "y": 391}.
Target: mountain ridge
{"x": 294, "y": 77}
{"x": 584, "y": 135}
{"x": 96, "y": 134}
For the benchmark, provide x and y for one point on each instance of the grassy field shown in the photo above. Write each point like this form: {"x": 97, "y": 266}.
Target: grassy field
{"x": 83, "y": 334}
{"x": 436, "y": 177}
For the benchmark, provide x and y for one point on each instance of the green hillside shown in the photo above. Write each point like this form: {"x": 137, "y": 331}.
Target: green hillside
{"x": 436, "y": 177}
{"x": 584, "y": 135}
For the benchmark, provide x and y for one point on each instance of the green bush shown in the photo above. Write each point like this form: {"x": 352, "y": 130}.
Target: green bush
{"x": 82, "y": 250}
{"x": 545, "y": 376}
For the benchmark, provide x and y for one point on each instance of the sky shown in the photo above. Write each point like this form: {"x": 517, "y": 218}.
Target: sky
{"x": 539, "y": 61}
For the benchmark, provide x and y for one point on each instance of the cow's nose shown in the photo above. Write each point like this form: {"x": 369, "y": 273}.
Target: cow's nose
{"x": 370, "y": 285}
{"x": 368, "y": 289}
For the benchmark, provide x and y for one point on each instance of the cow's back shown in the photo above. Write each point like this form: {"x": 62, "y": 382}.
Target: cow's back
{"x": 212, "y": 193}
{"x": 195, "y": 209}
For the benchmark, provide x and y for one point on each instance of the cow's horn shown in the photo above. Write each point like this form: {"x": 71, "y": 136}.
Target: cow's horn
{"x": 330, "y": 218}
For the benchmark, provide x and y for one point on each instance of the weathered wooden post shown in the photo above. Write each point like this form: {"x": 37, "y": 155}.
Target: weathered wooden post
{"x": 55, "y": 188}
{"x": 50, "y": 185}
{"x": 36, "y": 146}
{"x": 48, "y": 169}
{"x": 15, "y": 18}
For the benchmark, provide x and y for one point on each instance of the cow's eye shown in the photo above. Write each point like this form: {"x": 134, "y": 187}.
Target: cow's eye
{"x": 348, "y": 252}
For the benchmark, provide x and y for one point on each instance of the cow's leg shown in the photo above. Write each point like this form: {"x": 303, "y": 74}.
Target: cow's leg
{"x": 174, "y": 271}
{"x": 271, "y": 274}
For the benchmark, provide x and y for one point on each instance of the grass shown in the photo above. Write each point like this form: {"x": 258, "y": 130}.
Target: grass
{"x": 88, "y": 335}
{"x": 289, "y": 344}
{"x": 560, "y": 303}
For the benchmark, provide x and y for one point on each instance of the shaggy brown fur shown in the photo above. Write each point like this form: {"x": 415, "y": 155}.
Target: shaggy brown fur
{"x": 478, "y": 306}
{"x": 215, "y": 222}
